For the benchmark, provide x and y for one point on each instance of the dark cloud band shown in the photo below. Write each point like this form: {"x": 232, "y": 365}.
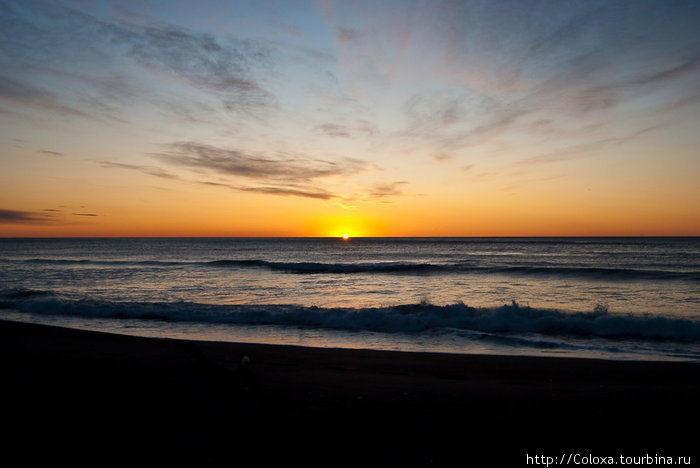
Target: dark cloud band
{"x": 232, "y": 162}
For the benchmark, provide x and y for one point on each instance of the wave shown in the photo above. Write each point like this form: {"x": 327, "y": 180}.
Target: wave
{"x": 408, "y": 318}
{"x": 69, "y": 261}
{"x": 398, "y": 267}
{"x": 417, "y": 268}
{"x": 320, "y": 268}
{"x": 600, "y": 272}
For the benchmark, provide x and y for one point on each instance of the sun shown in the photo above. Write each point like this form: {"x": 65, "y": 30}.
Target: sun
{"x": 346, "y": 236}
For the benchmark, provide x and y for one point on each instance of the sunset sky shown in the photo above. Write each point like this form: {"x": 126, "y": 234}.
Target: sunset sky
{"x": 376, "y": 118}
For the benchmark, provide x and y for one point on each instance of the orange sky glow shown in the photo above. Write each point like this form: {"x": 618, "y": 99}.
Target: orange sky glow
{"x": 367, "y": 119}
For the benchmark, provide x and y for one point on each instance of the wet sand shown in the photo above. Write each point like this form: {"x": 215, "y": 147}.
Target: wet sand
{"x": 111, "y": 400}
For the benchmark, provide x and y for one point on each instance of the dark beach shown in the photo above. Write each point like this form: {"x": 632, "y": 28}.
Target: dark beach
{"x": 101, "y": 399}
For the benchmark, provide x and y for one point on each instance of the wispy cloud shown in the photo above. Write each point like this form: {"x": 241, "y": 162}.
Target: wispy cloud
{"x": 46, "y": 215}
{"x": 441, "y": 157}
{"x": 225, "y": 68}
{"x": 583, "y": 150}
{"x": 150, "y": 170}
{"x": 453, "y": 119}
{"x": 51, "y": 153}
{"x": 290, "y": 191}
{"x": 18, "y": 92}
{"x": 574, "y": 67}
{"x": 385, "y": 190}
{"x": 22, "y": 217}
{"x": 347, "y": 34}
{"x": 233, "y": 162}
{"x": 295, "y": 177}
{"x": 358, "y": 128}
{"x": 282, "y": 176}
{"x": 52, "y": 43}
{"x": 284, "y": 191}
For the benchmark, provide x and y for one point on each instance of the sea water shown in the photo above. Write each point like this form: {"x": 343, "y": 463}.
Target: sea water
{"x": 616, "y": 298}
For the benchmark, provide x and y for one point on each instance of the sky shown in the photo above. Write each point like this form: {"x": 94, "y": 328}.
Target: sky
{"x": 324, "y": 118}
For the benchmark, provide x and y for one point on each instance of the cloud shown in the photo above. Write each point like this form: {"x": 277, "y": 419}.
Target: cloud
{"x": 441, "y": 157}
{"x": 22, "y": 217}
{"x": 678, "y": 70}
{"x": 573, "y": 68}
{"x": 359, "y": 128}
{"x": 585, "y": 149}
{"x": 284, "y": 191}
{"x": 25, "y": 94}
{"x": 46, "y": 215}
{"x": 454, "y": 118}
{"x": 387, "y": 190}
{"x": 51, "y": 153}
{"x": 334, "y": 130}
{"x": 99, "y": 64}
{"x": 347, "y": 35}
{"x": 150, "y": 170}
{"x": 429, "y": 112}
{"x": 198, "y": 59}
{"x": 281, "y": 176}
{"x": 577, "y": 42}
{"x": 232, "y": 162}
{"x": 377, "y": 192}
{"x": 288, "y": 191}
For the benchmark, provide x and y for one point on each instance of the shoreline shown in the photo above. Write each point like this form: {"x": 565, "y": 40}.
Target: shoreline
{"x": 224, "y": 337}
{"x": 183, "y": 402}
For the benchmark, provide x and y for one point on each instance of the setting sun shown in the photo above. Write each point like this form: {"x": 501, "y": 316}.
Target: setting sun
{"x": 299, "y": 210}
{"x": 128, "y": 131}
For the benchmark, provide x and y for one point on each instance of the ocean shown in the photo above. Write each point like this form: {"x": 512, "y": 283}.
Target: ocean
{"x": 610, "y": 298}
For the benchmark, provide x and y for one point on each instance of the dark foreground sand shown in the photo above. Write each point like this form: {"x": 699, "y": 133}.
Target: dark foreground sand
{"x": 101, "y": 399}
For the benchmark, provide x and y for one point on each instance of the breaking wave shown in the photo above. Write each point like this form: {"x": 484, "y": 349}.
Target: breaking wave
{"x": 318, "y": 268}
{"x": 407, "y": 318}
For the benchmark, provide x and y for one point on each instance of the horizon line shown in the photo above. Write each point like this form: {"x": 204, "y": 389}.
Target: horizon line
{"x": 683, "y": 236}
